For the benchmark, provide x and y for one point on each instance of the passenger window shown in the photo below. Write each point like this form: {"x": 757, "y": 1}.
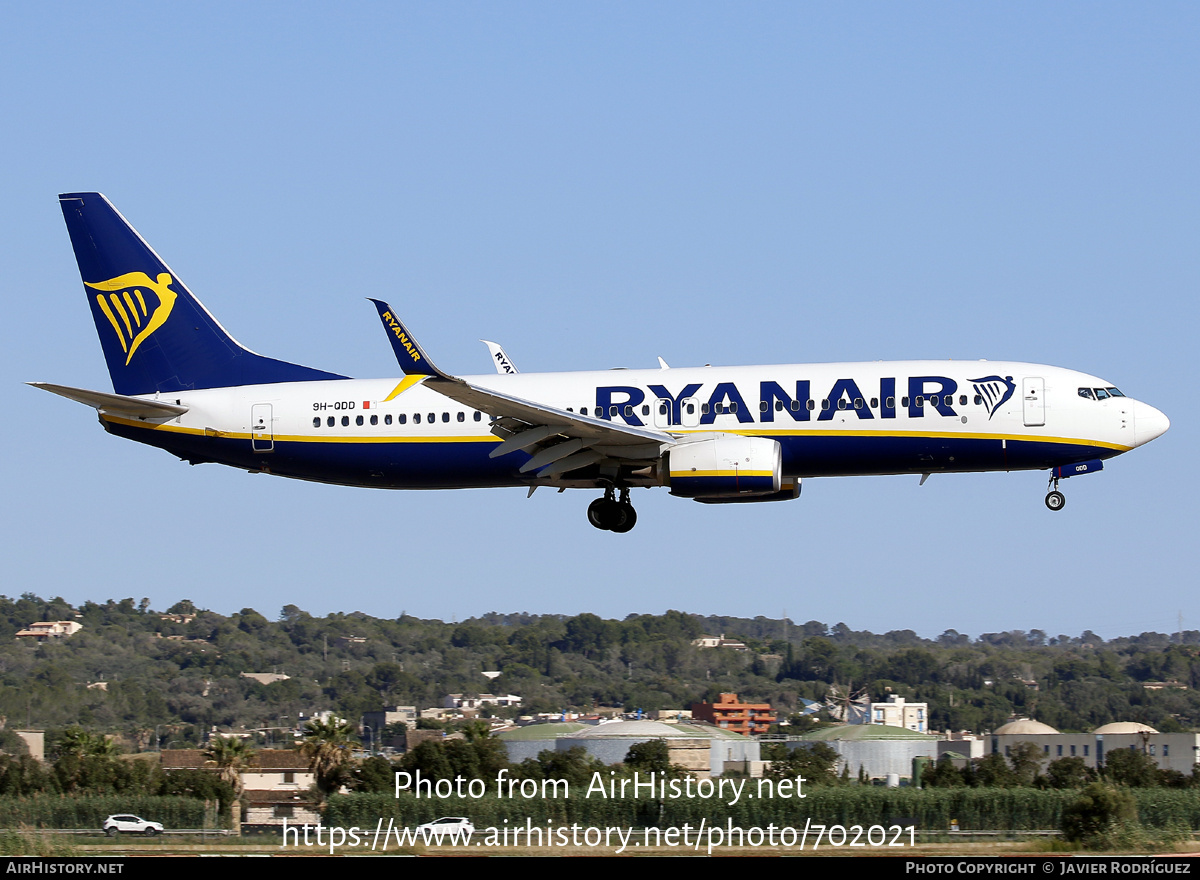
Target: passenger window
{"x": 628, "y": 410}
{"x": 691, "y": 409}
{"x": 445, "y": 417}
{"x": 763, "y": 406}
{"x": 704, "y": 407}
{"x": 858, "y": 403}
{"x": 720, "y": 407}
{"x": 904, "y": 401}
{"x": 402, "y": 418}
{"x": 358, "y": 420}
{"x": 646, "y": 410}
{"x": 462, "y": 416}
{"x": 934, "y": 400}
{"x": 890, "y": 403}
{"x": 345, "y": 421}
{"x": 811, "y": 404}
{"x": 431, "y": 418}
{"x": 612, "y": 410}
{"x": 825, "y": 403}
{"x": 962, "y": 400}
{"x": 733, "y": 407}
{"x": 374, "y": 420}
{"x": 416, "y": 418}
{"x": 329, "y": 421}
{"x": 662, "y": 409}
{"x": 794, "y": 406}
{"x": 874, "y": 403}
{"x": 979, "y": 400}
{"x": 317, "y": 422}
{"x": 478, "y": 416}
{"x": 387, "y": 419}
{"x": 842, "y": 402}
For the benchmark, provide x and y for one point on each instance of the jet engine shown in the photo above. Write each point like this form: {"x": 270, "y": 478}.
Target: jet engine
{"x": 727, "y": 467}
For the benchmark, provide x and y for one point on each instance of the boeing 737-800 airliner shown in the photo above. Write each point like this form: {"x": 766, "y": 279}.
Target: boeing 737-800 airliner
{"x": 713, "y": 434}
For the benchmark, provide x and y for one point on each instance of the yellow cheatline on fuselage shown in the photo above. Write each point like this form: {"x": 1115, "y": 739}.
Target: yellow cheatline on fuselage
{"x": 454, "y": 438}
{"x": 127, "y": 284}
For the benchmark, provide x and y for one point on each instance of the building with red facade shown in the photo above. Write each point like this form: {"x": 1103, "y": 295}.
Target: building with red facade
{"x": 729, "y": 714}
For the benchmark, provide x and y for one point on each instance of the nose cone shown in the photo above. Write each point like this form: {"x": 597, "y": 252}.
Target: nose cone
{"x": 1148, "y": 423}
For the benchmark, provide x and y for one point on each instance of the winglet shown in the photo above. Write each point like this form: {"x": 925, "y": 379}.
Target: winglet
{"x": 501, "y": 360}
{"x": 409, "y": 354}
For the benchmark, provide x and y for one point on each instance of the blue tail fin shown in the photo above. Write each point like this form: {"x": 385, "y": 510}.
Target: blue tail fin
{"x": 156, "y": 336}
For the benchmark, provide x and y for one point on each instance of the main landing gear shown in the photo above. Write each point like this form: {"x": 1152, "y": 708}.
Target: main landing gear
{"x": 1055, "y": 500}
{"x": 611, "y": 515}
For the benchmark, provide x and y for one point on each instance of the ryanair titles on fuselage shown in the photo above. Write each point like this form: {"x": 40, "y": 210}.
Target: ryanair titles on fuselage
{"x": 921, "y": 394}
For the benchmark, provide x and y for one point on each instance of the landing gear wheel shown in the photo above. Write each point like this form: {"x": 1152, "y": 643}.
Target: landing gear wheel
{"x": 595, "y": 512}
{"x": 611, "y": 515}
{"x": 630, "y": 519}
{"x": 1056, "y": 500}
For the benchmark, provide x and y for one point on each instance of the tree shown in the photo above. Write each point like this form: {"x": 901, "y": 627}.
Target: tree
{"x": 1098, "y": 811}
{"x": 942, "y": 775}
{"x": 327, "y": 745}
{"x": 992, "y": 771}
{"x": 1026, "y": 760}
{"x": 231, "y": 756}
{"x": 1067, "y": 773}
{"x": 1130, "y": 767}
{"x": 651, "y": 756}
{"x": 816, "y": 762}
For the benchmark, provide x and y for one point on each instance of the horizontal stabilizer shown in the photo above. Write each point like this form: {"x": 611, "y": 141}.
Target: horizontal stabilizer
{"x": 116, "y": 404}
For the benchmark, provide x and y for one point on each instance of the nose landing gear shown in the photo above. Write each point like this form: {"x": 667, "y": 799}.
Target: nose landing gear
{"x": 611, "y": 515}
{"x": 1055, "y": 500}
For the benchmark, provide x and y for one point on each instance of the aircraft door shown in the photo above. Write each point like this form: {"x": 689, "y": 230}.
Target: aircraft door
{"x": 1034, "y": 392}
{"x": 662, "y": 413}
{"x": 262, "y": 433}
{"x": 689, "y": 413}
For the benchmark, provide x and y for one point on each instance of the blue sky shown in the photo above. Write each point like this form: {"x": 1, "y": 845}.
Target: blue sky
{"x": 594, "y": 186}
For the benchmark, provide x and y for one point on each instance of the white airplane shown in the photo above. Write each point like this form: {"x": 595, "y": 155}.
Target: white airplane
{"x": 712, "y": 434}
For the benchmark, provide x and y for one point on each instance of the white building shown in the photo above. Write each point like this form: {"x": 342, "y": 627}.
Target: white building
{"x": 1170, "y": 751}
{"x": 49, "y": 629}
{"x": 898, "y": 713}
{"x": 478, "y": 701}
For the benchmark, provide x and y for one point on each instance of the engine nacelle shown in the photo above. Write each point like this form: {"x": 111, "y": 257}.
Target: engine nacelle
{"x": 726, "y": 467}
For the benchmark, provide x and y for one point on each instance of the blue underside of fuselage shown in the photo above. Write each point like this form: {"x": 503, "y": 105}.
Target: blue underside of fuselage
{"x": 465, "y": 464}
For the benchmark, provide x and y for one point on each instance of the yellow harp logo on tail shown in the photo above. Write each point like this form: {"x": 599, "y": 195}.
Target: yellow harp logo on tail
{"x": 126, "y": 309}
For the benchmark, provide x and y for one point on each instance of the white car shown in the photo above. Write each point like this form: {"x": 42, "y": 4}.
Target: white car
{"x": 125, "y": 823}
{"x": 447, "y": 825}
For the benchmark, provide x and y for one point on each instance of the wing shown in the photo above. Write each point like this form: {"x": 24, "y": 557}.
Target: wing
{"x": 558, "y": 441}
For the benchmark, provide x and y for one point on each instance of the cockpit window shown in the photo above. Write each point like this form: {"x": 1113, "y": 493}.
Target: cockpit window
{"x": 1114, "y": 392}
{"x": 1101, "y": 394}
{"x": 1087, "y": 393}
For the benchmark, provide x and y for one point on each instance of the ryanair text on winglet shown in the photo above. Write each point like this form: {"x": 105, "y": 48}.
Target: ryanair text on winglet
{"x": 395, "y": 327}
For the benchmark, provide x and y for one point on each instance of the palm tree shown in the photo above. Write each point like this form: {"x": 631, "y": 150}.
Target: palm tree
{"x": 327, "y": 745}
{"x": 231, "y": 756}
{"x": 80, "y": 743}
